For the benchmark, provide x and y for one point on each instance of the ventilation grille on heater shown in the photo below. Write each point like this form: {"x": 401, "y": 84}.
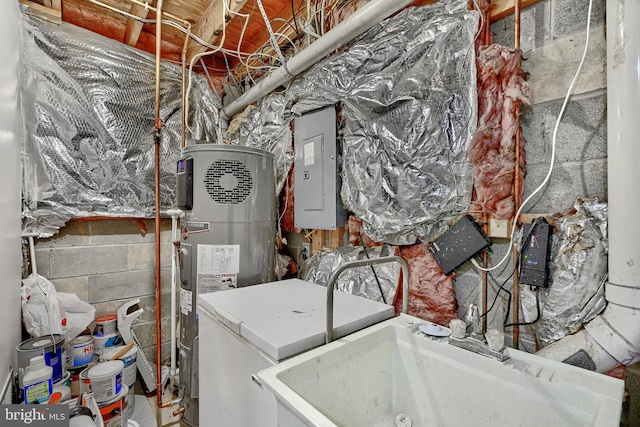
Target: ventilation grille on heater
{"x": 228, "y": 182}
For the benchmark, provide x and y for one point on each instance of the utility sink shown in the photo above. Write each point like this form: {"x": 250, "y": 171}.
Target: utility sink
{"x": 391, "y": 374}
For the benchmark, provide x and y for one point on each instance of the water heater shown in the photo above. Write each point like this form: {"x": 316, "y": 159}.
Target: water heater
{"x": 227, "y": 237}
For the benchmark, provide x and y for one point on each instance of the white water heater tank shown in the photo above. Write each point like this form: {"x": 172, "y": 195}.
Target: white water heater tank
{"x": 228, "y": 237}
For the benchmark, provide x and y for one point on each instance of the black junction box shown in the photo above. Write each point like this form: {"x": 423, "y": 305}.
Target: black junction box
{"x": 462, "y": 241}
{"x": 535, "y": 253}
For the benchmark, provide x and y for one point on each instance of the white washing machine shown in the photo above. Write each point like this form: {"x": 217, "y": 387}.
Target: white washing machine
{"x": 246, "y": 330}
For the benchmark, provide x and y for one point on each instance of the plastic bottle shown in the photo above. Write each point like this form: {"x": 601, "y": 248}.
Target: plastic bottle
{"x": 55, "y": 398}
{"x": 37, "y": 385}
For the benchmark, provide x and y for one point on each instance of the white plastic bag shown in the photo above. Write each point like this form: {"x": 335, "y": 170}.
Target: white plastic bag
{"x": 46, "y": 311}
{"x": 42, "y": 313}
{"x": 79, "y": 314}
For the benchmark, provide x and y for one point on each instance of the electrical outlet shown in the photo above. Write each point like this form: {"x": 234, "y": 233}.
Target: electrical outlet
{"x": 305, "y": 251}
{"x": 499, "y": 228}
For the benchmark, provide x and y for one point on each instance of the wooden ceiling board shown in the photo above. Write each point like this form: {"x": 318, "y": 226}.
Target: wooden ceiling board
{"x": 256, "y": 34}
{"x": 116, "y": 30}
{"x": 133, "y": 27}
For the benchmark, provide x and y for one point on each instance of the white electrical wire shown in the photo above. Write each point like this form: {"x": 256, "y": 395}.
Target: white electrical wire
{"x": 553, "y": 147}
{"x": 272, "y": 37}
{"x": 197, "y": 57}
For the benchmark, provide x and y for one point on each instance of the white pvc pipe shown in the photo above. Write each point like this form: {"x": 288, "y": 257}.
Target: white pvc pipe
{"x": 614, "y": 337}
{"x": 356, "y": 24}
{"x": 175, "y": 215}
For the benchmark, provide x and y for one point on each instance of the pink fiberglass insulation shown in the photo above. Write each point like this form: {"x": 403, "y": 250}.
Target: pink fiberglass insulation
{"x": 431, "y": 294}
{"x": 501, "y": 85}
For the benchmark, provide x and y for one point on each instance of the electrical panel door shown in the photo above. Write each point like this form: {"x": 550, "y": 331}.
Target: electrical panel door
{"x": 317, "y": 181}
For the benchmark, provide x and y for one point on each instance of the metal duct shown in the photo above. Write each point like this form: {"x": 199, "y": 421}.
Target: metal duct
{"x": 614, "y": 337}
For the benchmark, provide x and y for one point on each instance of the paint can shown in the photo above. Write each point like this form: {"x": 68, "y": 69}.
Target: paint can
{"x": 111, "y": 411}
{"x": 49, "y": 346}
{"x": 75, "y": 380}
{"x": 85, "y": 382}
{"x": 106, "y": 325}
{"x": 129, "y": 360}
{"x": 114, "y": 411}
{"x": 81, "y": 350}
{"x": 102, "y": 342}
{"x": 130, "y": 403}
{"x": 106, "y": 380}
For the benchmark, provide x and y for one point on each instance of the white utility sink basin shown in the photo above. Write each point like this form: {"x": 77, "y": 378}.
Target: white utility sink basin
{"x": 391, "y": 372}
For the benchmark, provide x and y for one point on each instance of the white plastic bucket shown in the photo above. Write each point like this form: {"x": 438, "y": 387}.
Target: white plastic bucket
{"x": 115, "y": 412}
{"x": 102, "y": 342}
{"x": 130, "y": 403}
{"x": 106, "y": 380}
{"x": 129, "y": 360}
{"x": 81, "y": 350}
{"x": 106, "y": 325}
{"x": 85, "y": 383}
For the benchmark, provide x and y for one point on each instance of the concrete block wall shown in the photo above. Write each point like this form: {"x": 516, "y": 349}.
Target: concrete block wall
{"x": 553, "y": 33}
{"x": 109, "y": 262}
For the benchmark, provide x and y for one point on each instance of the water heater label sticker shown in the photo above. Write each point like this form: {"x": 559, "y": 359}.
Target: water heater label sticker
{"x": 185, "y": 302}
{"x": 218, "y": 267}
{"x": 309, "y": 153}
{"x": 195, "y": 227}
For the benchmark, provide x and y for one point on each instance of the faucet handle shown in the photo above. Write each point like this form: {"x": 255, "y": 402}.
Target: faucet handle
{"x": 495, "y": 339}
{"x": 458, "y": 329}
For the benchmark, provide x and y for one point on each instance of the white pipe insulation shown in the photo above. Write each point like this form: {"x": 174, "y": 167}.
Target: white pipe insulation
{"x": 362, "y": 19}
{"x": 175, "y": 215}
{"x": 613, "y": 337}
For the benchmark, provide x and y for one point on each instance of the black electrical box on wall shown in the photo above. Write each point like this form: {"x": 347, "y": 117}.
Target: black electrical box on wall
{"x": 462, "y": 241}
{"x": 184, "y": 183}
{"x": 535, "y": 253}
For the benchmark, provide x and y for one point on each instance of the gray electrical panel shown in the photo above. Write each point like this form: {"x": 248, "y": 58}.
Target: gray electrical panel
{"x": 316, "y": 177}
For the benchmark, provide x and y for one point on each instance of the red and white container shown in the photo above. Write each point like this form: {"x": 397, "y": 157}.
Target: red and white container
{"x": 106, "y": 325}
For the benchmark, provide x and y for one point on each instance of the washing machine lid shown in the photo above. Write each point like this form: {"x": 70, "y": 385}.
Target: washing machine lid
{"x": 288, "y": 317}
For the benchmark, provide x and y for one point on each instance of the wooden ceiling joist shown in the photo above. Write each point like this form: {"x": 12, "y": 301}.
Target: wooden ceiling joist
{"x": 501, "y": 8}
{"x": 211, "y": 24}
{"x": 46, "y": 13}
{"x": 134, "y": 28}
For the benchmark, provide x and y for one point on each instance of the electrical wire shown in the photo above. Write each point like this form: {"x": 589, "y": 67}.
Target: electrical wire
{"x": 500, "y": 288}
{"x": 506, "y": 325}
{"x": 195, "y": 58}
{"x": 553, "y": 143}
{"x": 272, "y": 37}
{"x": 293, "y": 16}
{"x": 366, "y": 253}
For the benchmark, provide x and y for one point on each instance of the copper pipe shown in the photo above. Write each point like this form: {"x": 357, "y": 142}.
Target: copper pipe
{"x": 184, "y": 86}
{"x": 157, "y": 140}
{"x": 179, "y": 411}
{"x": 516, "y": 191}
{"x": 485, "y": 217}
{"x": 487, "y": 27}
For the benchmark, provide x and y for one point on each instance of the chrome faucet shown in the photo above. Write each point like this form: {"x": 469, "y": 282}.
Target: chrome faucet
{"x": 360, "y": 263}
{"x": 490, "y": 344}
{"x": 473, "y": 319}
